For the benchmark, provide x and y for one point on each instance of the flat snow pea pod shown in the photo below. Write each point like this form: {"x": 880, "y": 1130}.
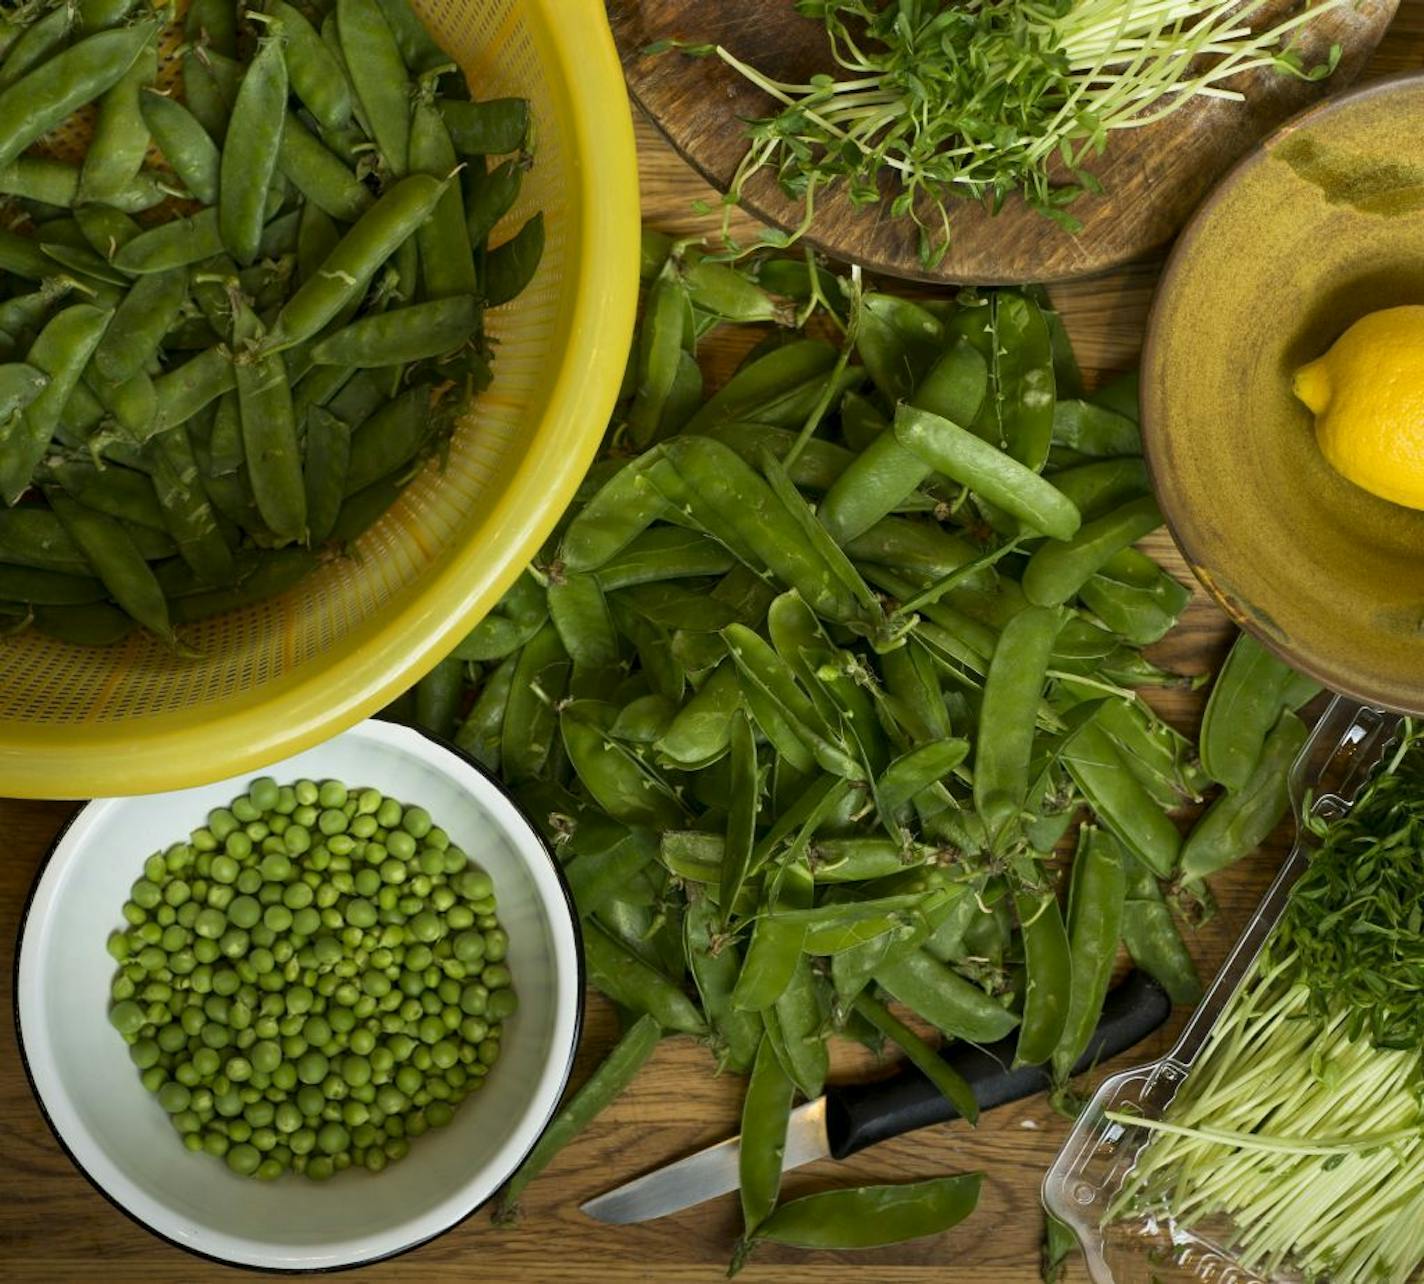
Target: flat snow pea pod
{"x": 539, "y": 682}
{"x": 725, "y": 293}
{"x": 402, "y": 335}
{"x": 742, "y": 796}
{"x": 490, "y": 128}
{"x": 250, "y": 152}
{"x": 121, "y": 138}
{"x": 146, "y": 313}
{"x": 46, "y": 96}
{"x": 1135, "y": 598}
{"x": 608, "y": 1080}
{"x": 1096, "y": 895}
{"x": 95, "y": 624}
{"x": 1012, "y": 690}
{"x": 58, "y": 356}
{"x": 1098, "y": 487}
{"x": 598, "y": 874}
{"x": 715, "y": 963}
{"x": 418, "y": 47}
{"x": 643, "y": 719}
{"x": 319, "y": 174}
{"x": 898, "y": 341}
{"x": 624, "y": 506}
{"x": 913, "y": 772}
{"x": 48, "y": 588}
{"x": 1050, "y": 980}
{"x": 446, "y": 255}
{"x": 1091, "y": 430}
{"x": 951, "y": 1004}
{"x": 509, "y": 267}
{"x": 479, "y": 735}
{"x": 1162, "y": 759}
{"x": 388, "y": 439}
{"x": 952, "y": 1085}
{"x": 269, "y": 433}
{"x": 795, "y": 1023}
{"x": 869, "y": 1216}
{"x": 620, "y": 785}
{"x": 1152, "y": 939}
{"x": 780, "y": 388}
{"x": 1243, "y": 707}
{"x": 186, "y": 511}
{"x": 33, "y": 536}
{"x": 634, "y": 984}
{"x": 1241, "y": 819}
{"x": 580, "y": 613}
{"x": 115, "y": 559}
{"x": 1057, "y": 570}
{"x": 1120, "y": 801}
{"x": 327, "y": 458}
{"x": 770, "y": 963}
{"x": 987, "y": 471}
{"x": 702, "y": 730}
{"x": 312, "y": 70}
{"x": 664, "y": 553}
{"x": 917, "y": 547}
{"x": 183, "y": 392}
{"x": 817, "y": 467}
{"x": 38, "y": 42}
{"x": 213, "y": 25}
{"x": 766, "y": 1111}
{"x": 185, "y": 144}
{"x": 173, "y": 244}
{"x": 379, "y": 76}
{"x": 695, "y": 857}
{"x": 857, "y": 859}
{"x": 1023, "y": 379}
{"x": 489, "y": 196}
{"x": 348, "y": 269}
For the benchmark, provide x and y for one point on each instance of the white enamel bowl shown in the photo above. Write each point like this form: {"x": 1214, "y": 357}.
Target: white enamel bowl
{"x": 120, "y": 1138}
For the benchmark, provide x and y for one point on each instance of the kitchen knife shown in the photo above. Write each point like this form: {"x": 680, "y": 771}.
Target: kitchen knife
{"x": 852, "y": 1116}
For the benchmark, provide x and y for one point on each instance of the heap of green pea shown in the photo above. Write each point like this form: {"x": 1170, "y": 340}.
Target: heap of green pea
{"x": 315, "y": 978}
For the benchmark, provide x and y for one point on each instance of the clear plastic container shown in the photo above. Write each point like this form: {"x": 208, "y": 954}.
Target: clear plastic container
{"x": 1347, "y": 743}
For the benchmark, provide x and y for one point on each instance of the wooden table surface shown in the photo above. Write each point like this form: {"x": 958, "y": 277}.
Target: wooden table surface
{"x": 54, "y": 1226}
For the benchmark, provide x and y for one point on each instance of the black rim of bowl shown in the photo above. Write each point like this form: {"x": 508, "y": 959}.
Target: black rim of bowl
{"x": 581, "y": 978}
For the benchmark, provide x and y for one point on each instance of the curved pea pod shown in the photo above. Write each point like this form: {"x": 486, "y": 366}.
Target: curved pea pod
{"x": 1243, "y": 707}
{"x": 1057, "y": 571}
{"x": 1013, "y": 689}
{"x": 183, "y": 392}
{"x": 212, "y": 24}
{"x": 489, "y": 195}
{"x": 1089, "y": 429}
{"x": 327, "y": 458}
{"x": 142, "y": 319}
{"x": 479, "y": 735}
{"x": 1162, "y": 759}
{"x": 322, "y": 176}
{"x": 1135, "y": 598}
{"x": 446, "y": 254}
{"x": 913, "y": 696}
{"x": 382, "y": 87}
{"x": 816, "y": 468}
{"x": 185, "y": 144}
{"x": 391, "y": 437}
{"x": 624, "y": 507}
{"x": 173, "y": 244}
{"x": 694, "y": 857}
{"x": 660, "y": 347}
{"x": 46, "y": 96}
{"x": 580, "y": 613}
{"x": 941, "y": 996}
{"x": 490, "y": 128}
{"x": 664, "y": 553}
{"x": 724, "y": 292}
{"x": 269, "y": 441}
{"x": 898, "y": 341}
{"x": 499, "y": 635}
{"x": 36, "y": 43}
{"x": 538, "y": 684}
{"x": 914, "y": 772}
{"x": 771, "y": 960}
{"x": 56, "y": 182}
{"x": 1241, "y": 820}
{"x": 1097, "y": 894}
{"x": 701, "y": 732}
{"x": 1050, "y": 982}
{"x": 743, "y": 798}
{"x": 312, "y": 70}
{"x": 250, "y": 152}
{"x": 620, "y": 785}
{"x": 1023, "y": 379}
{"x": 1120, "y": 801}
{"x": 34, "y": 536}
{"x": 402, "y": 335}
{"x": 116, "y": 151}
{"x": 189, "y": 518}
{"x": 1152, "y": 939}
{"x": 987, "y": 471}
{"x": 766, "y": 1111}
{"x": 780, "y": 388}
{"x": 858, "y": 859}
{"x": 1098, "y": 487}
{"x": 917, "y": 547}
{"x": 634, "y": 984}
{"x": 642, "y": 720}
{"x": 795, "y": 1025}
{"x": 349, "y": 267}
{"x": 511, "y": 265}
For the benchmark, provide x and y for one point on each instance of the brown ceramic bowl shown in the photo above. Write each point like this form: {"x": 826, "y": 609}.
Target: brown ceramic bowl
{"x": 1321, "y": 224}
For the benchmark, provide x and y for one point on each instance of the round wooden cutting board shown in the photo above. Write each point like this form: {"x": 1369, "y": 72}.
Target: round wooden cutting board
{"x": 1152, "y": 177}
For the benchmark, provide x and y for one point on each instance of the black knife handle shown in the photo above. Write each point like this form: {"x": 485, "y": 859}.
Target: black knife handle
{"x": 860, "y": 1114}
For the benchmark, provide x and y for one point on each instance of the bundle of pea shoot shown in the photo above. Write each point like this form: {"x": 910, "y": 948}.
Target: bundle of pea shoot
{"x": 219, "y": 363}
{"x": 814, "y": 683}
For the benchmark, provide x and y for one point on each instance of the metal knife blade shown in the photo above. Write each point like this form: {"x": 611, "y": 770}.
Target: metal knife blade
{"x": 707, "y": 1173}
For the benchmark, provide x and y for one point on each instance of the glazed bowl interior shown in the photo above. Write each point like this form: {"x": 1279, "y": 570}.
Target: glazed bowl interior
{"x": 119, "y": 1136}
{"x": 1323, "y": 224}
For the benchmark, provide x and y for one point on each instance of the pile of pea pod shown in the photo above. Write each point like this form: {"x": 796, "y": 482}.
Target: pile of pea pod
{"x": 214, "y": 365}
{"x": 815, "y": 679}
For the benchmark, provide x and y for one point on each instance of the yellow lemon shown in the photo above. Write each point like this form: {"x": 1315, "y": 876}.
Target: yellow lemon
{"x": 1367, "y": 394}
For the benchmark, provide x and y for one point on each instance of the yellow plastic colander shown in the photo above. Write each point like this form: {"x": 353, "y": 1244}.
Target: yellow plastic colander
{"x": 272, "y": 679}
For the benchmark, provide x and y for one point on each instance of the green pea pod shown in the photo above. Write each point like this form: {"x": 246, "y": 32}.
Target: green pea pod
{"x": 1096, "y": 897}
{"x": 39, "y": 42}
{"x": 654, "y": 647}
{"x": 490, "y": 128}
{"x": 173, "y": 244}
{"x": 988, "y": 472}
{"x": 595, "y": 876}
{"x": 320, "y": 175}
{"x": 183, "y": 392}
{"x": 1023, "y": 400}
{"x": 480, "y": 733}
{"x": 46, "y": 96}
{"x": 1241, "y": 820}
{"x": 941, "y": 996}
{"x": 1057, "y": 571}
{"x": 607, "y": 1082}
{"x": 48, "y": 588}
{"x": 446, "y": 256}
{"x": 116, "y": 561}
{"x": 212, "y": 24}
{"x": 766, "y": 1111}
{"x": 1120, "y": 801}
{"x": 1243, "y": 707}
{"x": 770, "y": 962}
{"x": 780, "y": 388}
{"x": 816, "y": 468}
{"x": 743, "y": 792}
{"x": 659, "y": 349}
{"x": 642, "y": 720}
{"x": 724, "y": 292}
{"x": 390, "y": 438}
{"x": 324, "y": 468}
{"x": 869, "y": 1216}
{"x": 1141, "y": 613}
{"x": 489, "y": 196}
{"x": 1048, "y": 959}
{"x": 402, "y": 335}
{"x": 1089, "y": 429}
{"x": 312, "y": 70}
{"x": 898, "y": 341}
{"x": 633, "y": 984}
{"x": 1163, "y": 760}
{"x": 914, "y": 698}
{"x": 917, "y": 770}
{"x": 140, "y": 322}
{"x": 580, "y": 613}
{"x": 663, "y": 553}
{"x": 119, "y": 492}
{"x": 33, "y": 536}
{"x": 695, "y": 857}
{"x": 510, "y": 266}
{"x": 250, "y": 152}
{"x": 190, "y": 519}
{"x": 701, "y": 732}
{"x": 619, "y": 784}
{"x": 625, "y": 506}
{"x": 56, "y": 182}
{"x": 185, "y": 144}
{"x": 794, "y": 1023}
{"x": 378, "y": 74}
{"x": 496, "y": 637}
{"x": 538, "y": 684}
{"x": 1098, "y": 487}
{"x": 1152, "y": 938}
{"x": 918, "y": 548}
{"x": 952, "y": 1085}
{"x": 97, "y": 624}
{"x": 116, "y": 151}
